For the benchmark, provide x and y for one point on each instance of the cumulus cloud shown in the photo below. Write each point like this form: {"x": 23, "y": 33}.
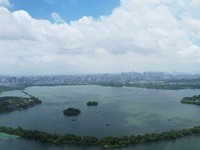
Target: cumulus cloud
{"x": 137, "y": 35}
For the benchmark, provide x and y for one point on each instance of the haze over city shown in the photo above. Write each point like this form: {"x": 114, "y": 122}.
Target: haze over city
{"x": 48, "y": 37}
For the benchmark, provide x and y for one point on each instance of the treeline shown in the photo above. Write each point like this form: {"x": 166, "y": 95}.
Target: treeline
{"x": 191, "y": 100}
{"x": 165, "y": 86}
{"x": 50, "y": 138}
{"x": 106, "y": 142}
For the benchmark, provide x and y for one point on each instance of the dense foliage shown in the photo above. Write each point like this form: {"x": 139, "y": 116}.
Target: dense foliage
{"x": 106, "y": 142}
{"x": 12, "y": 103}
{"x": 191, "y": 100}
{"x": 92, "y": 103}
{"x": 50, "y": 138}
{"x": 71, "y": 111}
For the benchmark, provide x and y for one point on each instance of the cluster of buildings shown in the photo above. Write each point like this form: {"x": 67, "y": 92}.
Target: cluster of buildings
{"x": 102, "y": 79}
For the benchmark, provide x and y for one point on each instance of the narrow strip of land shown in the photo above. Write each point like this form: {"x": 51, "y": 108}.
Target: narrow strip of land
{"x": 106, "y": 142}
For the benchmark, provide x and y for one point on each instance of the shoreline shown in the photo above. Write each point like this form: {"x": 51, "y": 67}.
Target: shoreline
{"x": 109, "y": 142}
{"x": 8, "y": 136}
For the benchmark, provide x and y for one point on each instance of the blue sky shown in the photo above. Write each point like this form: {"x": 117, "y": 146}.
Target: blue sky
{"x": 67, "y": 9}
{"x": 47, "y": 37}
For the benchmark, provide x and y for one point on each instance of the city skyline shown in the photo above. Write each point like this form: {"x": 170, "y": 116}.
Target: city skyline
{"x": 74, "y": 37}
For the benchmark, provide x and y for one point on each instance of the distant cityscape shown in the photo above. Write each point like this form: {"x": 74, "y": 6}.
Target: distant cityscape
{"x": 121, "y": 79}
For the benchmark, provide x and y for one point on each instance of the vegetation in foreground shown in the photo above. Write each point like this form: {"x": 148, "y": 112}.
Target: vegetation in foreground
{"x": 191, "y": 100}
{"x": 71, "y": 111}
{"x": 106, "y": 142}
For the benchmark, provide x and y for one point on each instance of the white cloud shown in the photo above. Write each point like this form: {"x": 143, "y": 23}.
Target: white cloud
{"x": 4, "y": 3}
{"x": 57, "y": 18}
{"x": 138, "y": 35}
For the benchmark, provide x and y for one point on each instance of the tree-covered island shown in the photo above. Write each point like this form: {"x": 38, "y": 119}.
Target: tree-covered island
{"x": 191, "y": 100}
{"x": 71, "y": 111}
{"x": 12, "y": 103}
{"x": 92, "y": 103}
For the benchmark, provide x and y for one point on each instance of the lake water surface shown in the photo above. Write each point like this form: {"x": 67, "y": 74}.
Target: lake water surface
{"x": 127, "y": 110}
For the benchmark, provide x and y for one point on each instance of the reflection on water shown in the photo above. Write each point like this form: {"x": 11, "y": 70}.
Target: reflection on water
{"x": 127, "y": 110}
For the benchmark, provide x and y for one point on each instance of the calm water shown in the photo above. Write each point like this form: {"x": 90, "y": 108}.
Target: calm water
{"x": 128, "y": 111}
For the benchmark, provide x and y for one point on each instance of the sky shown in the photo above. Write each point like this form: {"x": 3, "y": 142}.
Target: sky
{"x": 49, "y": 37}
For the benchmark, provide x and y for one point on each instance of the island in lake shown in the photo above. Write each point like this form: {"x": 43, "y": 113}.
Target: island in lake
{"x": 191, "y": 100}
{"x": 12, "y": 103}
{"x": 71, "y": 111}
{"x": 92, "y": 103}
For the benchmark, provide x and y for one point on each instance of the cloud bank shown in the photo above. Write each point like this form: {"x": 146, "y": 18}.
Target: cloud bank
{"x": 138, "y": 35}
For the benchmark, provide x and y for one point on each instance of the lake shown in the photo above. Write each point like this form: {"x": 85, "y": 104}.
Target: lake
{"x": 127, "y": 110}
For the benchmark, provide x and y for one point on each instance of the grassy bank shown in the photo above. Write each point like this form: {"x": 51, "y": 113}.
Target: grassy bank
{"x": 10, "y": 136}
